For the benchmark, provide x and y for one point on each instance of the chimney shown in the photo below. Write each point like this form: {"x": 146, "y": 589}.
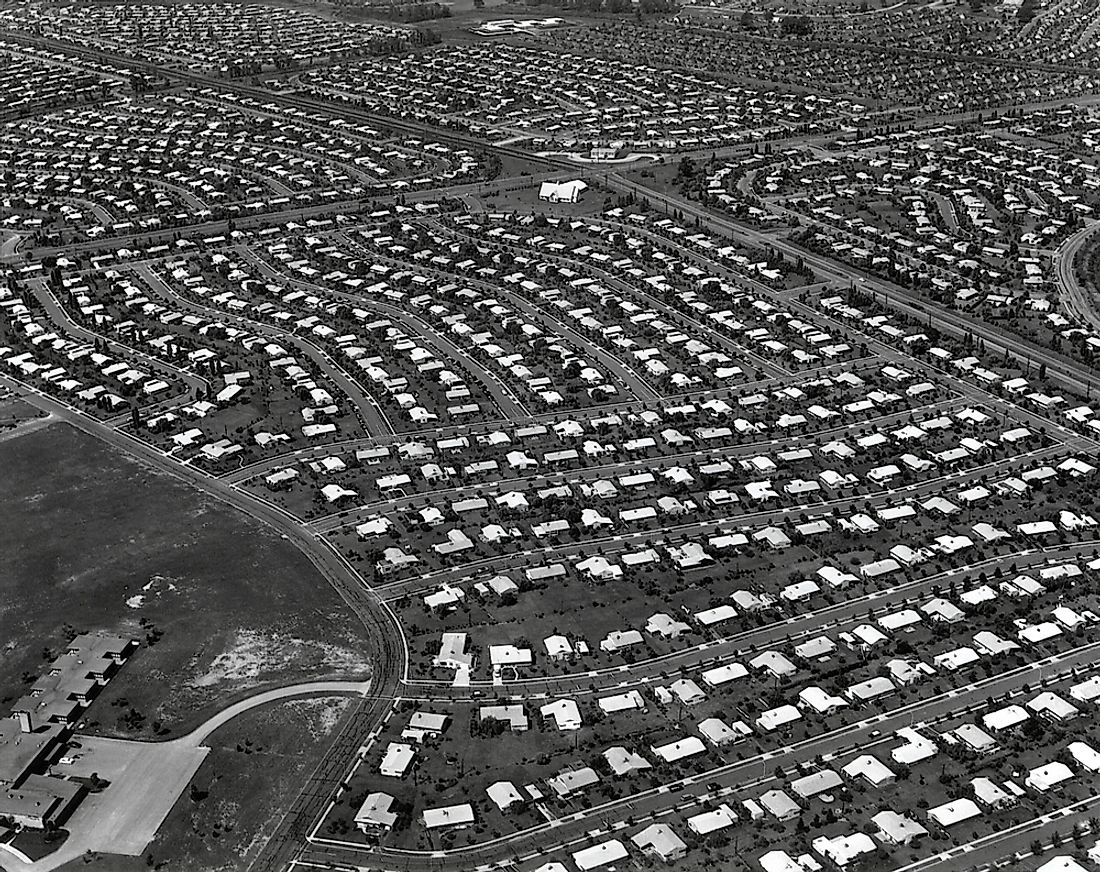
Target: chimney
{"x": 25, "y": 724}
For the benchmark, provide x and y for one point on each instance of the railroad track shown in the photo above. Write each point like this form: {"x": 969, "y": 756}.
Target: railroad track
{"x": 309, "y": 804}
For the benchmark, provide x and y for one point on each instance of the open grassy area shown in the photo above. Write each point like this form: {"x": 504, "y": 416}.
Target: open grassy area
{"x": 37, "y": 844}
{"x": 14, "y": 411}
{"x": 256, "y": 762}
{"x": 92, "y": 540}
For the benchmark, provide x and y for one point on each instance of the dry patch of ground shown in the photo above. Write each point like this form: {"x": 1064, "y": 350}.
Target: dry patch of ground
{"x": 90, "y": 539}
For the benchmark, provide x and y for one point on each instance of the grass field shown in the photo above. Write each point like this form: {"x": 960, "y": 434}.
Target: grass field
{"x": 256, "y": 762}
{"x": 93, "y": 540}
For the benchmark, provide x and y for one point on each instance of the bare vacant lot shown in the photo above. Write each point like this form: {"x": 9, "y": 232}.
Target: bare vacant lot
{"x": 91, "y": 540}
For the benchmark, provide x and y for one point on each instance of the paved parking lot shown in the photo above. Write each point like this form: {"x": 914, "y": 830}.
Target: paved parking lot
{"x": 146, "y": 779}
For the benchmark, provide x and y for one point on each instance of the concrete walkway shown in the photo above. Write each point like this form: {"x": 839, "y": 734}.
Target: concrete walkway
{"x": 313, "y": 688}
{"x": 146, "y": 779}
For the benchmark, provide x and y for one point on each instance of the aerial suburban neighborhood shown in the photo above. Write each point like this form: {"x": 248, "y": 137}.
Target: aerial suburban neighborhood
{"x": 558, "y": 436}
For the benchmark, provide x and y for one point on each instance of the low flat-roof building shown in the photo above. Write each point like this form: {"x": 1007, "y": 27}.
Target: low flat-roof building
{"x": 39, "y": 801}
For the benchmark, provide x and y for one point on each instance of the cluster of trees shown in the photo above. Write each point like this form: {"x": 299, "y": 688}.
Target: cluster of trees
{"x": 797, "y": 25}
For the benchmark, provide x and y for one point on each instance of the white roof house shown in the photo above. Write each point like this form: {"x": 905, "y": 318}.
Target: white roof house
{"x": 781, "y": 861}
{"x": 1048, "y": 777}
{"x": 565, "y": 713}
{"x": 870, "y": 689}
{"x": 452, "y": 653}
{"x": 975, "y": 738}
{"x": 600, "y": 855}
{"x": 666, "y": 626}
{"x": 774, "y": 662}
{"x": 681, "y": 749}
{"x": 661, "y": 841}
{"x": 461, "y": 815}
{"x": 1087, "y": 690}
{"x": 897, "y": 829}
{"x": 816, "y": 648}
{"x": 504, "y": 795}
{"x": 569, "y": 782}
{"x": 619, "y": 702}
{"x": 557, "y": 647}
{"x": 562, "y": 192}
{"x": 374, "y": 814}
{"x": 779, "y": 805}
{"x": 720, "y": 675}
{"x": 719, "y": 733}
{"x": 397, "y": 759}
{"x": 1087, "y": 757}
{"x": 773, "y": 719}
{"x": 1005, "y": 718}
{"x": 870, "y": 769}
{"x": 428, "y": 722}
{"x": 956, "y": 659}
{"x": 817, "y": 782}
{"x": 509, "y": 655}
{"x": 844, "y": 850}
{"x": 988, "y": 642}
{"x": 616, "y": 640}
{"x": 1051, "y": 706}
{"x": 915, "y": 749}
{"x": 990, "y": 794}
{"x": 712, "y": 821}
{"x": 624, "y": 762}
{"x": 687, "y": 691}
{"x": 513, "y": 715}
{"x": 820, "y": 700}
{"x": 1064, "y": 863}
{"x": 899, "y": 620}
{"x": 954, "y": 812}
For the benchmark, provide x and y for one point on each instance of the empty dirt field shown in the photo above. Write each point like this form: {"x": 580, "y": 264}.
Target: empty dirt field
{"x": 222, "y": 607}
